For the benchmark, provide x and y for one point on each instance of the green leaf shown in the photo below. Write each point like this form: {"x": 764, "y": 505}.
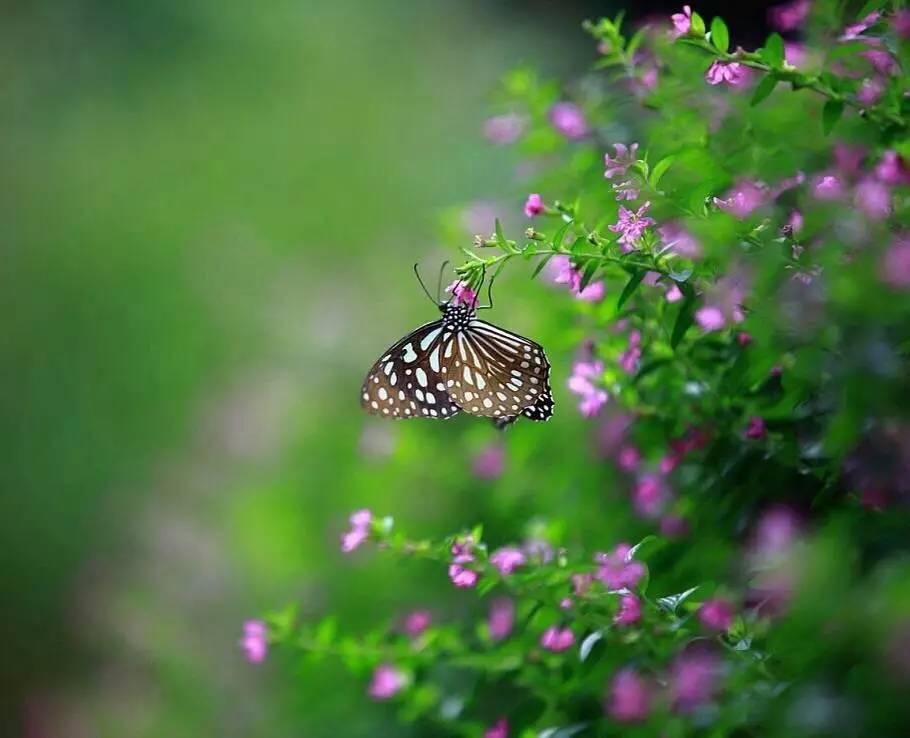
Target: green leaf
{"x": 773, "y": 52}
{"x": 631, "y": 286}
{"x": 660, "y": 169}
{"x": 541, "y": 265}
{"x": 671, "y": 602}
{"x": 697, "y": 27}
{"x": 588, "y": 274}
{"x": 684, "y": 319}
{"x": 764, "y": 88}
{"x": 500, "y": 238}
{"x": 831, "y": 113}
{"x": 720, "y": 36}
{"x": 561, "y": 234}
{"x": 588, "y": 644}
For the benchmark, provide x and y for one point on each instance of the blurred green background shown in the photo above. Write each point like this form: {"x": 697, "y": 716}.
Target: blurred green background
{"x": 209, "y": 215}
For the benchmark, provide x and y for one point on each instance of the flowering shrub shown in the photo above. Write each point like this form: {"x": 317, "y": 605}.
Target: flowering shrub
{"x": 730, "y": 226}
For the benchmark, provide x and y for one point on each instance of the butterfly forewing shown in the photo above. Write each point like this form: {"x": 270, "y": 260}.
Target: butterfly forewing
{"x": 408, "y": 380}
{"x": 494, "y": 373}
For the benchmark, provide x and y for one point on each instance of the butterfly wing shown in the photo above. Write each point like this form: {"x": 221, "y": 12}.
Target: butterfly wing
{"x": 494, "y": 373}
{"x": 407, "y": 380}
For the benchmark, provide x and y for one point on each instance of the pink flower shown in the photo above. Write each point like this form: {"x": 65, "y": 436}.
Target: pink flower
{"x": 631, "y": 226}
{"x": 854, "y": 31}
{"x": 565, "y": 273}
{"x": 416, "y": 622}
{"x": 591, "y": 404}
{"x": 627, "y": 190}
{"x": 504, "y": 129}
{"x": 500, "y": 729}
{"x": 827, "y": 187}
{"x": 581, "y": 583}
{"x": 462, "y": 577}
{"x": 891, "y": 169}
{"x": 649, "y": 497}
{"x": 593, "y": 292}
{"x": 674, "y": 526}
{"x": 756, "y": 428}
{"x": 900, "y": 21}
{"x": 629, "y": 700}
{"x": 775, "y": 534}
{"x": 694, "y": 678}
{"x": 870, "y": 91}
{"x": 673, "y": 294}
{"x": 710, "y": 318}
{"x": 882, "y": 61}
{"x": 533, "y": 205}
{"x": 895, "y": 269}
{"x": 507, "y": 559}
{"x": 744, "y": 198}
{"x": 629, "y": 611}
{"x": 387, "y": 681}
{"x": 569, "y": 120}
{"x": 359, "y": 532}
{"x": 743, "y": 339}
{"x": 795, "y": 222}
{"x": 592, "y": 397}
{"x": 255, "y": 642}
{"x": 618, "y": 570}
{"x": 789, "y": 16}
{"x": 628, "y": 359}
{"x": 716, "y": 614}
{"x": 462, "y": 294}
{"x": 733, "y": 73}
{"x": 489, "y": 463}
{"x": 557, "y": 639}
{"x": 682, "y": 22}
{"x": 873, "y": 198}
{"x": 628, "y": 458}
{"x": 625, "y": 158}
{"x": 463, "y": 550}
{"x": 795, "y": 54}
{"x": 501, "y": 618}
{"x": 680, "y": 241}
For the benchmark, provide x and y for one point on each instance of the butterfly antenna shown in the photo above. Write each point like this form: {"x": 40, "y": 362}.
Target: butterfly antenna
{"x": 425, "y": 290}
{"x": 442, "y": 270}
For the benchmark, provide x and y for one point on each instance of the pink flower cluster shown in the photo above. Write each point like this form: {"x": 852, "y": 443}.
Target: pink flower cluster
{"x": 463, "y": 553}
{"x": 682, "y": 22}
{"x": 534, "y": 205}
{"x": 557, "y": 639}
{"x": 504, "y": 129}
{"x": 593, "y": 398}
{"x": 507, "y": 559}
{"x": 629, "y": 359}
{"x": 387, "y": 681}
{"x": 416, "y": 622}
{"x": 789, "y": 16}
{"x": 359, "y": 531}
{"x": 733, "y": 73}
{"x": 462, "y": 294}
{"x": 631, "y": 226}
{"x": 564, "y": 273}
{"x": 618, "y": 570}
{"x": 619, "y": 166}
{"x": 501, "y": 618}
{"x": 568, "y": 120}
{"x": 255, "y": 643}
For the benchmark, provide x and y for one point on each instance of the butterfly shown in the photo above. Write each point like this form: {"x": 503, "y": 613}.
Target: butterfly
{"x": 459, "y": 363}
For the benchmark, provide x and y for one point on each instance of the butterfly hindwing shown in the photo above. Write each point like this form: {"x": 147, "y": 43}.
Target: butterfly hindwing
{"x": 407, "y": 381}
{"x": 494, "y": 373}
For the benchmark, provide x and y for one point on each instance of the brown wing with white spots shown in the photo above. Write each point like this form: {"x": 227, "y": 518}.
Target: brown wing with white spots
{"x": 494, "y": 373}
{"x": 407, "y": 382}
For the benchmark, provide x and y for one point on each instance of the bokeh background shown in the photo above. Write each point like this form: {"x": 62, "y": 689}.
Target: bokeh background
{"x": 209, "y": 214}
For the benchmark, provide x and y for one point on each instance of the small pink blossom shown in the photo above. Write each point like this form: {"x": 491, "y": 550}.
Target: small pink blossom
{"x": 631, "y": 226}
{"x": 743, "y": 339}
{"x": 900, "y": 22}
{"x": 682, "y": 22}
{"x": 592, "y": 397}
{"x": 629, "y": 611}
{"x": 649, "y": 497}
{"x": 882, "y": 61}
{"x": 568, "y": 274}
{"x": 710, "y": 318}
{"x": 507, "y": 559}
{"x": 674, "y": 526}
{"x": 756, "y": 428}
{"x": 557, "y": 639}
{"x": 680, "y": 241}
{"x": 795, "y": 222}
{"x": 627, "y": 190}
{"x": 359, "y": 532}
{"x": 892, "y": 170}
{"x": 870, "y": 91}
{"x": 255, "y": 643}
{"x": 591, "y": 404}
{"x": 895, "y": 269}
{"x": 416, "y": 622}
{"x": 628, "y": 359}
{"x": 628, "y": 458}
{"x": 463, "y": 550}
{"x": 795, "y": 54}
{"x": 534, "y": 205}
{"x": 855, "y": 30}
{"x": 500, "y": 729}
{"x": 581, "y": 583}
{"x": 504, "y": 129}
{"x": 387, "y": 681}
{"x": 873, "y": 198}
{"x": 629, "y": 700}
{"x": 775, "y": 534}
{"x": 565, "y": 603}
{"x": 501, "y": 618}
{"x": 827, "y": 187}
{"x": 618, "y": 570}
{"x": 716, "y": 614}
{"x": 489, "y": 463}
{"x": 673, "y": 293}
{"x": 743, "y": 199}
{"x": 569, "y": 120}
{"x": 462, "y": 577}
{"x": 694, "y": 679}
{"x": 593, "y": 292}
{"x": 733, "y": 73}
{"x": 789, "y": 16}
{"x": 462, "y": 294}
{"x": 625, "y": 157}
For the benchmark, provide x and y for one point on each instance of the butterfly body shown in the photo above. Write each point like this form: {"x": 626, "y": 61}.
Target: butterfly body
{"x": 460, "y": 364}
